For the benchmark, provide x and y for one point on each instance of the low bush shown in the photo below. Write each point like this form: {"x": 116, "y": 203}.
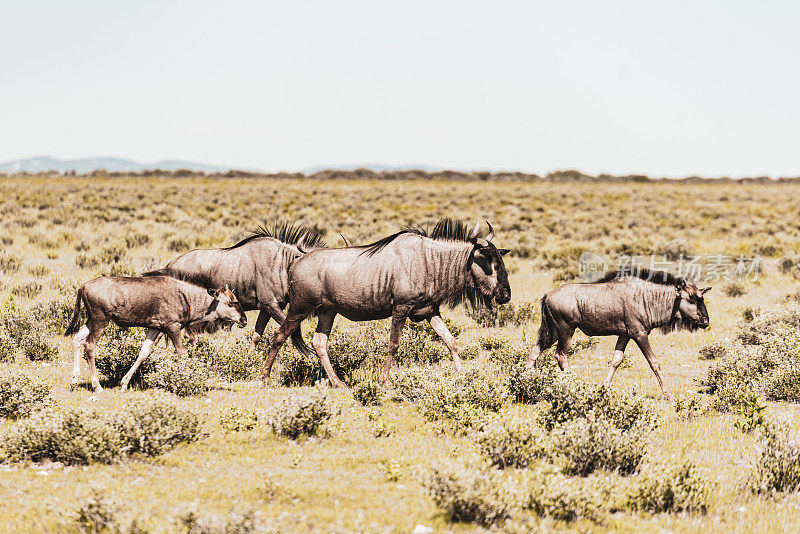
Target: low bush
{"x": 8, "y": 347}
{"x": 671, "y": 488}
{"x": 302, "y": 414}
{"x": 368, "y": 393}
{"x": 470, "y": 494}
{"x": 37, "y": 346}
{"x": 734, "y": 289}
{"x": 147, "y": 425}
{"x": 116, "y": 352}
{"x": 467, "y": 399}
{"x": 563, "y": 498}
{"x": 714, "y": 351}
{"x": 592, "y": 443}
{"x": 235, "y": 522}
{"x": 777, "y": 464}
{"x": 505, "y": 314}
{"x": 97, "y": 515}
{"x": 511, "y": 441}
{"x": 231, "y": 359}
{"x": 509, "y": 355}
{"x": 569, "y": 397}
{"x": 234, "y": 419}
{"x": 20, "y": 395}
{"x": 181, "y": 376}
{"x": 29, "y": 290}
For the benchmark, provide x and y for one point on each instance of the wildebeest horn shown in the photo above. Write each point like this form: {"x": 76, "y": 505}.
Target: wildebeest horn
{"x": 346, "y": 242}
{"x": 491, "y": 232}
{"x": 474, "y": 233}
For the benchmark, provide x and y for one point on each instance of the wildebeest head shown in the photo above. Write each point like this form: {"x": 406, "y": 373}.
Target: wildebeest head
{"x": 489, "y": 275}
{"x": 692, "y": 306}
{"x": 227, "y": 308}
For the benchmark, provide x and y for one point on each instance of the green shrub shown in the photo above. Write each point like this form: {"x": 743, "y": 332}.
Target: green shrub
{"x": 116, "y": 352}
{"x": 505, "y": 314}
{"x": 564, "y": 499}
{"x": 671, "y": 488}
{"x": 234, "y": 419}
{"x": 467, "y": 399}
{"x": 715, "y": 350}
{"x": 509, "y": 355}
{"x": 231, "y": 359}
{"x": 153, "y": 423}
{"x": 530, "y": 386}
{"x": 37, "y": 346}
{"x": 777, "y": 464}
{"x": 512, "y": 442}
{"x": 181, "y": 376}
{"x": 53, "y": 315}
{"x": 302, "y": 414}
{"x": 20, "y": 395}
{"x": 97, "y": 515}
{"x": 148, "y": 425}
{"x": 368, "y": 393}
{"x": 8, "y": 347}
{"x": 469, "y": 494}
{"x": 592, "y": 443}
{"x": 9, "y": 264}
{"x": 734, "y": 289}
{"x": 29, "y": 290}
{"x": 235, "y": 522}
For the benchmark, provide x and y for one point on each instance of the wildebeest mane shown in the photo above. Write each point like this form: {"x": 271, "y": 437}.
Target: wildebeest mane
{"x": 657, "y": 277}
{"x": 285, "y": 232}
{"x": 446, "y": 229}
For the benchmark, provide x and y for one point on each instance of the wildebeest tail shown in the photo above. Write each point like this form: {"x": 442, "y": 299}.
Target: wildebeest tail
{"x": 300, "y": 343}
{"x": 75, "y": 322}
{"x": 547, "y": 330}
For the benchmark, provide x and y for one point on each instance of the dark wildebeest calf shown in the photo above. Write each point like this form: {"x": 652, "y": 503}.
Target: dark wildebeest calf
{"x": 628, "y": 304}
{"x": 255, "y": 269}
{"x": 159, "y": 303}
{"x": 406, "y": 275}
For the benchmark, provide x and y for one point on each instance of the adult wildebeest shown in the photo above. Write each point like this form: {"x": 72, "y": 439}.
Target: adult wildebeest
{"x": 160, "y": 303}
{"x": 625, "y": 303}
{"x": 409, "y": 274}
{"x": 255, "y": 269}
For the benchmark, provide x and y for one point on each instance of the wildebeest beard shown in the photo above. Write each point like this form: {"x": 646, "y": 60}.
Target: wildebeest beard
{"x": 209, "y": 326}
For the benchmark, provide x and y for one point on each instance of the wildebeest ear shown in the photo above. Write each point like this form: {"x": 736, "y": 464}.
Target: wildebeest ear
{"x": 503, "y": 251}
{"x": 705, "y": 290}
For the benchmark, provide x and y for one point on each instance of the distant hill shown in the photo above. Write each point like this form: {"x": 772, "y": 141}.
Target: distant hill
{"x": 46, "y": 163}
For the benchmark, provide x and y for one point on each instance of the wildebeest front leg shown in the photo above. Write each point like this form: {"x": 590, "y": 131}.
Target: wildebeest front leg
{"x": 147, "y": 346}
{"x": 644, "y": 345}
{"x": 175, "y": 336}
{"x": 264, "y": 315}
{"x": 619, "y": 354}
{"x": 399, "y": 316}
{"x": 320, "y": 342}
{"x": 439, "y": 326}
{"x": 77, "y": 348}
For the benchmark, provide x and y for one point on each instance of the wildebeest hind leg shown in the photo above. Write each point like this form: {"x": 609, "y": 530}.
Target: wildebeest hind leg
{"x": 644, "y": 345}
{"x": 399, "y": 316}
{"x": 77, "y": 348}
{"x": 96, "y": 329}
{"x": 320, "y": 342}
{"x": 439, "y": 326}
{"x": 147, "y": 346}
{"x": 564, "y": 339}
{"x": 619, "y": 354}
{"x": 290, "y": 324}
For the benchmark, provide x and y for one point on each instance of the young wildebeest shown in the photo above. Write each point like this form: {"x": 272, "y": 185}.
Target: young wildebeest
{"x": 628, "y": 304}
{"x": 255, "y": 269}
{"x": 406, "y": 275}
{"x": 159, "y": 303}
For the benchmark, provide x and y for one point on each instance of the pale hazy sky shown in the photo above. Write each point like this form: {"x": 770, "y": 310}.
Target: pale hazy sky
{"x": 666, "y": 88}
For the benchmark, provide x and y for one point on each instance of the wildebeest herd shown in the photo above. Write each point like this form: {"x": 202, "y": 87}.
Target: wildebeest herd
{"x": 408, "y": 275}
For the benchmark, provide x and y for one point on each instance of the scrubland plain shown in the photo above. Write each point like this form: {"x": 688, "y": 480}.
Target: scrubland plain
{"x": 369, "y": 468}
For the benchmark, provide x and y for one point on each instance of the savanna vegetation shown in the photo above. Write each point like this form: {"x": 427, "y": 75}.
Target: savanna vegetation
{"x": 203, "y": 447}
